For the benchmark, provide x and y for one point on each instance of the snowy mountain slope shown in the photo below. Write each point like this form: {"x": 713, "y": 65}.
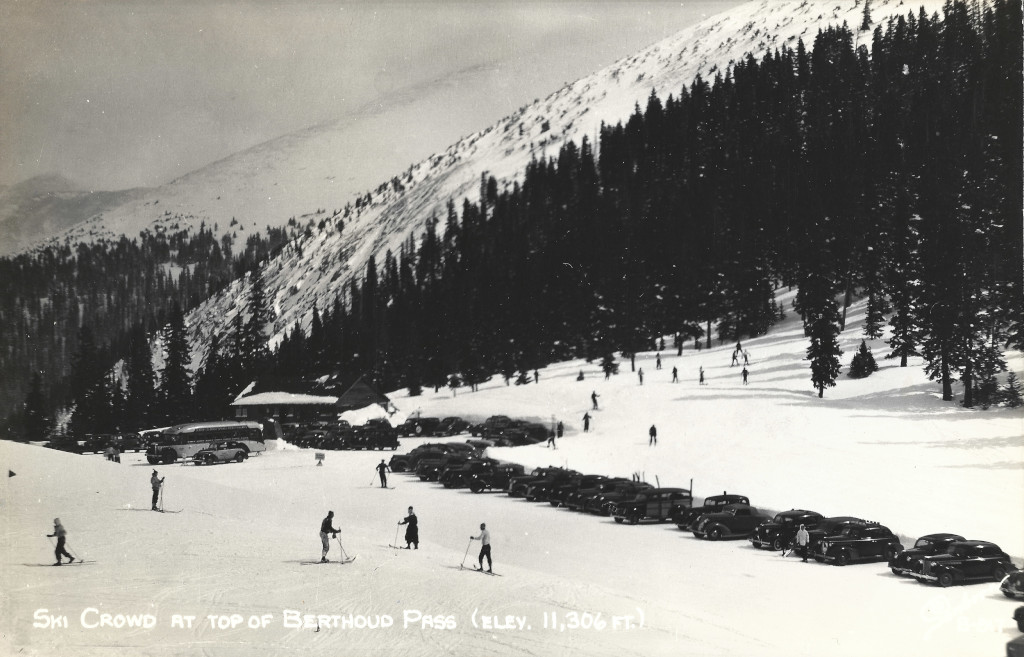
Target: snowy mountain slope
{"x": 314, "y": 270}
{"x": 884, "y": 447}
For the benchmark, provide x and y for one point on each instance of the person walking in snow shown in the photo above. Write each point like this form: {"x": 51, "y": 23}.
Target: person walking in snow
{"x": 746, "y": 358}
{"x": 675, "y": 374}
{"x": 657, "y": 361}
{"x": 593, "y": 398}
{"x": 744, "y": 373}
{"x": 802, "y": 539}
{"x": 536, "y": 377}
{"x": 586, "y": 422}
{"x": 702, "y": 382}
{"x": 485, "y": 546}
{"x": 654, "y": 436}
{"x": 640, "y": 373}
{"x": 382, "y": 470}
{"x": 551, "y": 438}
{"x": 61, "y": 534}
{"x": 327, "y": 527}
{"x": 412, "y": 531}
{"x": 560, "y": 429}
{"x": 157, "y": 483}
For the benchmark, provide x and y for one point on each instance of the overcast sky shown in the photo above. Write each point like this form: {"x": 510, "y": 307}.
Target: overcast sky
{"x": 122, "y": 94}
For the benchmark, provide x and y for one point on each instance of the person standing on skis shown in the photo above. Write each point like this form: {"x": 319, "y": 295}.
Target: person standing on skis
{"x": 61, "y": 534}
{"x": 156, "y": 482}
{"x": 412, "y": 532}
{"x": 382, "y": 469}
{"x": 485, "y": 546}
{"x": 327, "y": 527}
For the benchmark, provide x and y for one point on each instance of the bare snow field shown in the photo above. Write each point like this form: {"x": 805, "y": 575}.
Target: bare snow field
{"x": 234, "y": 559}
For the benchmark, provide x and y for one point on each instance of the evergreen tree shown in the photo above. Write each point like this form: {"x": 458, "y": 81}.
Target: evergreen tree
{"x": 863, "y": 363}
{"x": 1011, "y": 393}
{"x": 822, "y": 327}
{"x": 142, "y": 393}
{"x": 256, "y": 354}
{"x": 865, "y": 23}
{"x": 608, "y": 364}
{"x": 37, "y": 416}
{"x": 176, "y": 383}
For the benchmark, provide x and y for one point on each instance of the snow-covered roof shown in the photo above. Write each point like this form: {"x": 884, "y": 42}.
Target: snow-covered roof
{"x": 279, "y": 398}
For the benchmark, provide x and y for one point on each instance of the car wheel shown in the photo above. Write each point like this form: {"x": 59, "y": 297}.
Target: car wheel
{"x": 842, "y": 558}
{"x": 998, "y": 573}
{"x": 777, "y": 544}
{"x": 240, "y": 456}
{"x": 715, "y": 534}
{"x": 476, "y": 487}
{"x": 1010, "y": 595}
{"x": 945, "y": 579}
{"x": 895, "y": 571}
{"x": 619, "y": 520}
{"x": 634, "y": 520}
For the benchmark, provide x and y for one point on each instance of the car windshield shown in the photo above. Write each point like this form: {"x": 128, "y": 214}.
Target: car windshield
{"x": 783, "y": 520}
{"x": 924, "y": 543}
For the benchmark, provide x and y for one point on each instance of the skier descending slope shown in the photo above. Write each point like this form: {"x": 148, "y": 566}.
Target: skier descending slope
{"x": 326, "y": 527}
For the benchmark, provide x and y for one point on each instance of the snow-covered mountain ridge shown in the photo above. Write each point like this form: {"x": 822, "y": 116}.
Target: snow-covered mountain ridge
{"x": 314, "y": 270}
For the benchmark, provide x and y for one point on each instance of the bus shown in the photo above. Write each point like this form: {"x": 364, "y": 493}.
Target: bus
{"x": 182, "y": 441}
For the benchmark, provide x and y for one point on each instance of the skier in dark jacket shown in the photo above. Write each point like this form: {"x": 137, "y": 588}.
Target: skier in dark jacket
{"x": 382, "y": 469}
{"x": 654, "y": 436}
{"x": 61, "y": 534}
{"x": 586, "y": 422}
{"x": 412, "y": 532}
{"x": 593, "y": 398}
{"x": 327, "y": 527}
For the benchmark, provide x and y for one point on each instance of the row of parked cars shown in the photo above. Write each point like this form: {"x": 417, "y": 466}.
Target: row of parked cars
{"x": 98, "y": 443}
{"x": 944, "y": 559}
{"x": 339, "y": 434}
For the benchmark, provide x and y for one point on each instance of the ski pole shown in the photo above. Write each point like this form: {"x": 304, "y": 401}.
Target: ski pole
{"x": 394, "y": 543}
{"x": 343, "y": 553}
{"x": 463, "y": 564}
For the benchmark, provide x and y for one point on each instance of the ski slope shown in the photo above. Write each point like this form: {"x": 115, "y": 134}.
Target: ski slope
{"x": 885, "y": 448}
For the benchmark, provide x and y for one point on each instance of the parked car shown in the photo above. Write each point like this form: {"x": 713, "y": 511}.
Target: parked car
{"x": 1012, "y": 585}
{"x": 419, "y": 427}
{"x": 733, "y": 521}
{"x": 526, "y": 433}
{"x": 527, "y": 486}
{"x": 130, "y": 442}
{"x": 518, "y": 486}
{"x": 458, "y": 476}
{"x": 577, "y": 500}
{"x": 375, "y": 434}
{"x": 963, "y": 562}
{"x": 858, "y": 542}
{"x": 429, "y": 468}
{"x": 780, "y": 531}
{"x": 557, "y": 495}
{"x": 685, "y": 516}
{"x": 451, "y": 426}
{"x": 492, "y": 426}
{"x": 1018, "y": 615}
{"x": 1015, "y": 647}
{"x": 904, "y": 562}
{"x": 497, "y": 479}
{"x": 655, "y": 504}
{"x": 832, "y": 526}
{"x": 221, "y": 452}
{"x": 601, "y": 503}
{"x": 97, "y": 443}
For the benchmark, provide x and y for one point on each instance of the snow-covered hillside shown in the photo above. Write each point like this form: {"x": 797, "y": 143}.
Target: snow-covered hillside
{"x": 316, "y": 269}
{"x": 886, "y": 448}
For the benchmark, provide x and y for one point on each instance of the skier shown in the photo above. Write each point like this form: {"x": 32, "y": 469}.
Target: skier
{"x": 702, "y": 382}
{"x": 412, "y": 532}
{"x": 744, "y": 373}
{"x": 640, "y": 373}
{"x": 382, "y": 469}
{"x": 593, "y": 398}
{"x": 802, "y": 538}
{"x": 586, "y": 422}
{"x": 657, "y": 361}
{"x": 675, "y": 375}
{"x": 560, "y": 429}
{"x": 157, "y": 483}
{"x": 485, "y": 546}
{"x": 536, "y": 377}
{"x": 746, "y": 358}
{"x": 551, "y": 438}
{"x": 61, "y": 534}
{"x": 326, "y": 527}
{"x": 654, "y": 436}
{"x": 580, "y": 376}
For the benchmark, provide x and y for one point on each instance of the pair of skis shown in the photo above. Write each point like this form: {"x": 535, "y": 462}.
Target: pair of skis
{"x": 345, "y": 557}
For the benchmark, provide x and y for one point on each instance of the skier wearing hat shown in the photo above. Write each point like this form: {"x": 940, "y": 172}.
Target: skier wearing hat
{"x": 485, "y": 546}
{"x": 327, "y": 527}
{"x": 156, "y": 482}
{"x": 60, "y": 533}
{"x": 412, "y": 532}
